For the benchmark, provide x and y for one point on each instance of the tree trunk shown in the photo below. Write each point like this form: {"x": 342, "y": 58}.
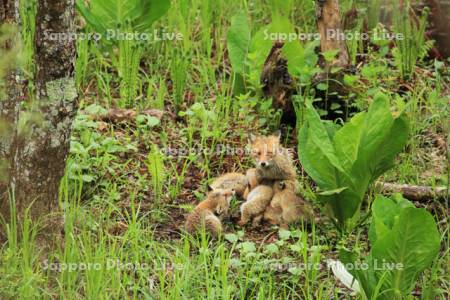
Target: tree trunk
{"x": 439, "y": 21}
{"x": 37, "y": 157}
{"x": 11, "y": 98}
{"x": 330, "y": 30}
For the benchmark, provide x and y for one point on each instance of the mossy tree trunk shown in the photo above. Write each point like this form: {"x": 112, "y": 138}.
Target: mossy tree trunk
{"x": 36, "y": 156}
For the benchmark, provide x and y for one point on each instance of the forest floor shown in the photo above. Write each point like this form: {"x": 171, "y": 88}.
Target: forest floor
{"x": 131, "y": 181}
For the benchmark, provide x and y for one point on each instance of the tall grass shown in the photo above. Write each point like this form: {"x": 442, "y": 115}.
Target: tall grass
{"x": 81, "y": 65}
{"x": 93, "y": 263}
{"x": 179, "y": 69}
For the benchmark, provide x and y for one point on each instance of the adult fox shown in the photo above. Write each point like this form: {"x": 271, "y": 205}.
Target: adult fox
{"x": 274, "y": 168}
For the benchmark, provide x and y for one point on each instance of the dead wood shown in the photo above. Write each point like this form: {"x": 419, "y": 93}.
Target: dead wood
{"x": 277, "y": 83}
{"x": 119, "y": 115}
{"x": 413, "y": 192}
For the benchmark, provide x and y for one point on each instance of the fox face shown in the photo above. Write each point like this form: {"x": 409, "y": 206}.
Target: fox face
{"x": 264, "y": 149}
{"x": 222, "y": 199}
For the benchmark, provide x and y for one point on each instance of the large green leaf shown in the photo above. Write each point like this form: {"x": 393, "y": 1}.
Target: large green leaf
{"x": 135, "y": 15}
{"x": 346, "y": 141}
{"x": 107, "y": 14}
{"x": 153, "y": 10}
{"x": 344, "y": 205}
{"x": 92, "y": 20}
{"x": 394, "y": 141}
{"x": 301, "y": 59}
{"x": 384, "y": 211}
{"x": 315, "y": 162}
{"x": 375, "y": 128}
{"x": 263, "y": 39}
{"x": 353, "y": 157}
{"x": 238, "y": 41}
{"x": 295, "y": 56}
{"x": 320, "y": 161}
{"x": 320, "y": 137}
{"x": 413, "y": 244}
{"x": 405, "y": 241}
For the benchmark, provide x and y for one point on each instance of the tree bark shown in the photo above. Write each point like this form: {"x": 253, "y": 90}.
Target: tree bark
{"x": 37, "y": 157}
{"x": 330, "y": 29}
{"x": 13, "y": 95}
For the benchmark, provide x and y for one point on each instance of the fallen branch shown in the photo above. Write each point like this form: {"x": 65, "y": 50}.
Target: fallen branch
{"x": 413, "y": 192}
{"x": 118, "y": 115}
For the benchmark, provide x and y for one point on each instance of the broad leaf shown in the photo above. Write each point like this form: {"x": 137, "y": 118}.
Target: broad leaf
{"x": 392, "y": 144}
{"x": 346, "y": 141}
{"x": 153, "y": 10}
{"x": 111, "y": 15}
{"x": 96, "y": 24}
{"x": 332, "y": 192}
{"x": 384, "y": 211}
{"x": 405, "y": 241}
{"x": 238, "y": 41}
{"x": 412, "y": 243}
{"x": 315, "y": 162}
{"x": 344, "y": 205}
{"x": 375, "y": 128}
{"x": 264, "y": 39}
{"x": 353, "y": 157}
{"x": 320, "y": 137}
{"x": 301, "y": 59}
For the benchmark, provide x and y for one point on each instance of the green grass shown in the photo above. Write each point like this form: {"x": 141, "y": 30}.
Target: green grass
{"x": 124, "y": 201}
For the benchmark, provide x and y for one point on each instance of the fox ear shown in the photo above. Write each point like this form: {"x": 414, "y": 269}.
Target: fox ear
{"x": 277, "y": 134}
{"x": 251, "y": 138}
{"x": 209, "y": 188}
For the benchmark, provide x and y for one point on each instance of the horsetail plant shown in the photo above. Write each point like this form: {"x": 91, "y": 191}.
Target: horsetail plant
{"x": 155, "y": 165}
{"x": 412, "y": 46}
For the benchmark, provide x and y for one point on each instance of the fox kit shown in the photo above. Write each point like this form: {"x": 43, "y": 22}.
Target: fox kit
{"x": 236, "y": 181}
{"x": 253, "y": 179}
{"x": 272, "y": 160}
{"x": 216, "y": 202}
{"x": 286, "y": 206}
{"x": 256, "y": 202}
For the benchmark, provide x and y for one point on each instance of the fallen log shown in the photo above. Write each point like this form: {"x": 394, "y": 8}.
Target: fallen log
{"x": 118, "y": 115}
{"x": 413, "y": 192}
